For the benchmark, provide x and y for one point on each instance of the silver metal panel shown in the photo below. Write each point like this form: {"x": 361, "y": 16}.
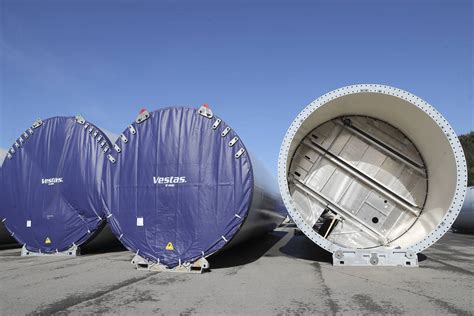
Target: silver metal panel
{"x": 353, "y": 237}
{"x": 388, "y": 135}
{"x": 322, "y": 173}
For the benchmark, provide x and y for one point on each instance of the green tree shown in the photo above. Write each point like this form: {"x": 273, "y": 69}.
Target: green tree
{"x": 467, "y": 142}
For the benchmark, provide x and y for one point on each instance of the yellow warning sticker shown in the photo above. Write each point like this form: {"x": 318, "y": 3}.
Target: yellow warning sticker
{"x": 47, "y": 241}
{"x": 169, "y": 246}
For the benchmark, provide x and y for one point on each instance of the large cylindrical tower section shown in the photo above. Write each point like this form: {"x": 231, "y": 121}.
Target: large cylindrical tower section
{"x": 181, "y": 185}
{"x": 370, "y": 166}
{"x": 50, "y": 185}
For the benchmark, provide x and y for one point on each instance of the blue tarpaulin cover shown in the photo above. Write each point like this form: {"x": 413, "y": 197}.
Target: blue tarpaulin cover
{"x": 5, "y": 237}
{"x": 176, "y": 191}
{"x": 49, "y": 189}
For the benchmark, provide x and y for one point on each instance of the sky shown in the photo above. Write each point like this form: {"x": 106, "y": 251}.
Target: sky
{"x": 256, "y": 63}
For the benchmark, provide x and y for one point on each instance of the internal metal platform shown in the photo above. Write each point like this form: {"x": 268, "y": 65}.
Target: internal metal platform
{"x": 359, "y": 182}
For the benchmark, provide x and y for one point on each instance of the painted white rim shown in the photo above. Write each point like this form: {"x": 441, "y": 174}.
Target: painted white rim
{"x": 461, "y": 181}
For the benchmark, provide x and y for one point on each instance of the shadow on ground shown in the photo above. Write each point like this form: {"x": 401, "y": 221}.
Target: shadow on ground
{"x": 246, "y": 252}
{"x": 93, "y": 250}
{"x": 86, "y": 250}
{"x": 300, "y": 246}
{"x": 286, "y": 241}
{"x": 421, "y": 257}
{"x": 9, "y": 246}
{"x": 103, "y": 242}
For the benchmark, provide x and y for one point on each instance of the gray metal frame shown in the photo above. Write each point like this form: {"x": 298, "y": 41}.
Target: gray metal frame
{"x": 71, "y": 252}
{"x": 377, "y": 257}
{"x": 198, "y": 266}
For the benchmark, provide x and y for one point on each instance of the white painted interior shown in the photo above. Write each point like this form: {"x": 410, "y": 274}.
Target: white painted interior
{"x": 423, "y": 125}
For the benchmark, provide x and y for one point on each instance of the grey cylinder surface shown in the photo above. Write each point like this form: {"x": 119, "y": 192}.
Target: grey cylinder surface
{"x": 465, "y": 221}
{"x": 266, "y": 211}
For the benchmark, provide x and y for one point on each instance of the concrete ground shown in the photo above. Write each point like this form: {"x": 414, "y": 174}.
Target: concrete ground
{"x": 281, "y": 273}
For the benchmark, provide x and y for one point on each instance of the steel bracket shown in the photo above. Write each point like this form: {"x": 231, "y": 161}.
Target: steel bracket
{"x": 80, "y": 119}
{"x": 144, "y": 115}
{"x": 37, "y": 123}
{"x": 206, "y": 111}
{"x": 375, "y": 257}
{"x": 198, "y": 266}
{"x": 71, "y": 252}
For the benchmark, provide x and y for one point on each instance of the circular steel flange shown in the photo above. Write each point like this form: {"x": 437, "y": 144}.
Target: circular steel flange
{"x": 461, "y": 179}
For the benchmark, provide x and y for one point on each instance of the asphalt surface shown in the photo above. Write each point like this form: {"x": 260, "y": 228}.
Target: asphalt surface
{"x": 280, "y": 273}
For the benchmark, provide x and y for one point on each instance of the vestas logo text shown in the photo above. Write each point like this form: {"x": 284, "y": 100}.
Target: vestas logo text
{"x": 51, "y": 181}
{"x": 169, "y": 181}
